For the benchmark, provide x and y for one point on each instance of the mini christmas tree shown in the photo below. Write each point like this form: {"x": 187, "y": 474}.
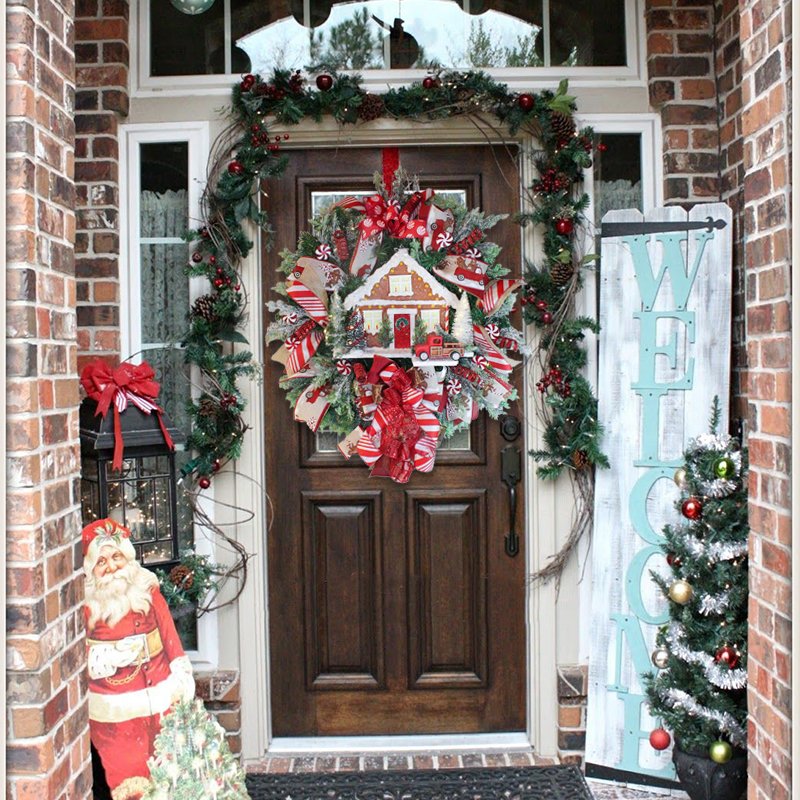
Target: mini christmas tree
{"x": 192, "y": 759}
{"x": 699, "y": 688}
{"x": 462, "y": 324}
{"x": 336, "y": 334}
{"x": 355, "y": 336}
{"x": 385, "y": 334}
{"x": 420, "y": 330}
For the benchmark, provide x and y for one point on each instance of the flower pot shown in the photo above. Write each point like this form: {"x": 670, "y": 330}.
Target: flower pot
{"x": 185, "y": 618}
{"x": 704, "y": 779}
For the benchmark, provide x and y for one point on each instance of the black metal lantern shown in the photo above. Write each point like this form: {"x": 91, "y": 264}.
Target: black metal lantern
{"x": 142, "y": 495}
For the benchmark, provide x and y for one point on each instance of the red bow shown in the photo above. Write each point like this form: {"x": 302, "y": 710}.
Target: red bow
{"x": 128, "y": 383}
{"x": 382, "y": 217}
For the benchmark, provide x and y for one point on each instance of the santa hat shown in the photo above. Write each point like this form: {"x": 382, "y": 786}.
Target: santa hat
{"x": 103, "y": 532}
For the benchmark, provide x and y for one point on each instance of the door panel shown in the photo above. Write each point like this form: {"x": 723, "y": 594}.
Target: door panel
{"x": 393, "y": 608}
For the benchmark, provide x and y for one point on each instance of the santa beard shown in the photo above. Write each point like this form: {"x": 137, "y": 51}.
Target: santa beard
{"x": 110, "y": 597}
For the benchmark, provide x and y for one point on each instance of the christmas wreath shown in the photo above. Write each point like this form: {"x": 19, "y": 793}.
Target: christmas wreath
{"x": 395, "y": 325}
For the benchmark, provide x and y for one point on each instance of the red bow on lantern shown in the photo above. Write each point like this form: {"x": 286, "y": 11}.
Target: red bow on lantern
{"x": 127, "y": 383}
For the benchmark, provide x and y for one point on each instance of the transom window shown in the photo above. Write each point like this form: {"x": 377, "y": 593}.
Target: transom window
{"x": 237, "y": 36}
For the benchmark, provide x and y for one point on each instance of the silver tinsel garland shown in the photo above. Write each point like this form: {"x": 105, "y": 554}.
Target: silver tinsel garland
{"x": 714, "y": 603}
{"x": 715, "y": 551}
{"x": 722, "y": 677}
{"x": 677, "y": 698}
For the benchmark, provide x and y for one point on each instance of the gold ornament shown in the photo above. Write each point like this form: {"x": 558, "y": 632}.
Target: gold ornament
{"x": 720, "y": 751}
{"x": 680, "y": 478}
{"x": 681, "y": 592}
{"x": 660, "y": 657}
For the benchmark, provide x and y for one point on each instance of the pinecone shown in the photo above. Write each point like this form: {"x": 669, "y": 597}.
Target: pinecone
{"x": 580, "y": 459}
{"x": 182, "y": 576}
{"x": 203, "y": 307}
{"x": 562, "y": 125}
{"x": 561, "y": 273}
{"x": 371, "y": 107}
{"x": 208, "y": 408}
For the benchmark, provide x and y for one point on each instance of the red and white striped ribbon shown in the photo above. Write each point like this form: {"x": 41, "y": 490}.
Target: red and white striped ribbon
{"x": 309, "y": 301}
{"x": 497, "y": 360}
{"x": 123, "y": 397}
{"x": 301, "y": 351}
{"x": 496, "y": 293}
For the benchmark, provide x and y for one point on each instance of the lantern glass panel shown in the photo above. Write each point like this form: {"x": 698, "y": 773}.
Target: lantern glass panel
{"x": 140, "y": 498}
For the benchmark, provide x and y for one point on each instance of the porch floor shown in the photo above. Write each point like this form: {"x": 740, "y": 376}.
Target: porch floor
{"x": 371, "y": 761}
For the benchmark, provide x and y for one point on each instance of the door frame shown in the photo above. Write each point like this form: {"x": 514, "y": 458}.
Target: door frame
{"x": 539, "y": 514}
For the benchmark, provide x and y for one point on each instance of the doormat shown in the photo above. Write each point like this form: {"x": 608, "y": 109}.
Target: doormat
{"x": 501, "y": 783}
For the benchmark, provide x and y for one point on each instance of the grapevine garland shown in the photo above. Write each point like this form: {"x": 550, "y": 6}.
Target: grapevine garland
{"x": 248, "y": 152}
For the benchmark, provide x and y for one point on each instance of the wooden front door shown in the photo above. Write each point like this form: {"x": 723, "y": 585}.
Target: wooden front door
{"x": 394, "y": 609}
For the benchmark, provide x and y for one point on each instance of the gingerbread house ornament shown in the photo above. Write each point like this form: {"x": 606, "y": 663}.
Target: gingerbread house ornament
{"x": 393, "y": 298}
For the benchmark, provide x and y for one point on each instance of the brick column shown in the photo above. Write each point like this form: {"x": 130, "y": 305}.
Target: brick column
{"x": 101, "y": 51}
{"x": 766, "y": 42}
{"x": 680, "y": 46}
{"x": 48, "y": 741}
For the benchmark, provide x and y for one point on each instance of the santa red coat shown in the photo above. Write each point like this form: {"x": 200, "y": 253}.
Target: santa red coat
{"x": 125, "y": 708}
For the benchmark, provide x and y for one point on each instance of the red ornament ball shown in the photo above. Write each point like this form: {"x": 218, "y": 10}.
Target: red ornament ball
{"x": 541, "y": 305}
{"x": 673, "y": 560}
{"x": 602, "y": 147}
{"x": 204, "y": 481}
{"x": 197, "y": 257}
{"x": 660, "y": 739}
{"x": 236, "y": 168}
{"x": 429, "y": 82}
{"x": 324, "y": 82}
{"x": 247, "y": 82}
{"x": 564, "y": 227}
{"x": 219, "y": 283}
{"x": 216, "y": 466}
{"x": 525, "y": 101}
{"x": 727, "y": 655}
{"x": 547, "y": 318}
{"x": 692, "y": 508}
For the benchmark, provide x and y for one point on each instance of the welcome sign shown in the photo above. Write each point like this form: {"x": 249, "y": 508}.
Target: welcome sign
{"x": 665, "y": 302}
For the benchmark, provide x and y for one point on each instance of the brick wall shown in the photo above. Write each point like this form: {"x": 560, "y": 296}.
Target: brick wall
{"x": 680, "y": 54}
{"x": 765, "y": 35}
{"x": 220, "y": 691}
{"x": 48, "y": 743}
{"x": 101, "y": 52}
{"x": 573, "y": 682}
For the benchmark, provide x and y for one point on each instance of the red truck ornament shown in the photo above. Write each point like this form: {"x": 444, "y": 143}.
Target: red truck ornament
{"x": 435, "y": 347}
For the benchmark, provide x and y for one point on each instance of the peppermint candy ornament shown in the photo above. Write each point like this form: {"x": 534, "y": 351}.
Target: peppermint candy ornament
{"x": 481, "y": 361}
{"x": 344, "y": 367}
{"x": 290, "y": 318}
{"x": 453, "y": 386}
{"x": 323, "y": 252}
{"x": 443, "y": 241}
{"x": 493, "y": 329}
{"x": 473, "y": 252}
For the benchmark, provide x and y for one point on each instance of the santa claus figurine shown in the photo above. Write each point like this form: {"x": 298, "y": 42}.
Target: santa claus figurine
{"x": 137, "y": 667}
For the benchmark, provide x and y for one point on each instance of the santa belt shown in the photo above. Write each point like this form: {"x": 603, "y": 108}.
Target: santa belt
{"x": 151, "y": 643}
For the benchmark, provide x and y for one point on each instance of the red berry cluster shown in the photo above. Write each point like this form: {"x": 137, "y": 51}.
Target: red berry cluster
{"x": 296, "y": 82}
{"x": 551, "y": 182}
{"x": 555, "y": 378}
{"x": 270, "y": 91}
{"x": 228, "y": 401}
{"x": 529, "y": 299}
{"x": 222, "y": 280}
{"x": 586, "y": 143}
{"x": 261, "y": 138}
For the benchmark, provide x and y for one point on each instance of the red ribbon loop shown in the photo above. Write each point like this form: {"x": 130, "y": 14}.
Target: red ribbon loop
{"x": 127, "y": 383}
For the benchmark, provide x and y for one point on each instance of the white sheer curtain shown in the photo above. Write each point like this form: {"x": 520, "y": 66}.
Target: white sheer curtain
{"x": 613, "y": 195}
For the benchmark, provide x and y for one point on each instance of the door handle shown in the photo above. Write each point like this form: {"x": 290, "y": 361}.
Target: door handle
{"x": 511, "y": 475}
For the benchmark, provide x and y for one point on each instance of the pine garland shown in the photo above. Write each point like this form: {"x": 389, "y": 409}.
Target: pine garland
{"x": 572, "y": 434}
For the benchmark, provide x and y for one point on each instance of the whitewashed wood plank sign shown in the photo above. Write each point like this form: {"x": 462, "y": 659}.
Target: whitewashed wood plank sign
{"x": 665, "y": 300}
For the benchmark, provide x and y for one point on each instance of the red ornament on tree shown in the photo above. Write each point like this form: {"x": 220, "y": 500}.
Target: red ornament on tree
{"x": 216, "y": 466}
{"x": 692, "y": 508}
{"x": 236, "y": 168}
{"x": 324, "y": 82}
{"x": 525, "y": 101}
{"x": 660, "y": 739}
{"x": 204, "y": 481}
{"x": 673, "y": 560}
{"x": 247, "y": 82}
{"x": 727, "y": 655}
{"x": 564, "y": 226}
{"x": 429, "y": 82}
{"x": 547, "y": 318}
{"x": 197, "y": 257}
{"x": 602, "y": 147}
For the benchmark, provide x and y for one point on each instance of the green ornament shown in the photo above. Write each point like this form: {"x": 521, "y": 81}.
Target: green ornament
{"x": 720, "y": 751}
{"x": 724, "y": 467}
